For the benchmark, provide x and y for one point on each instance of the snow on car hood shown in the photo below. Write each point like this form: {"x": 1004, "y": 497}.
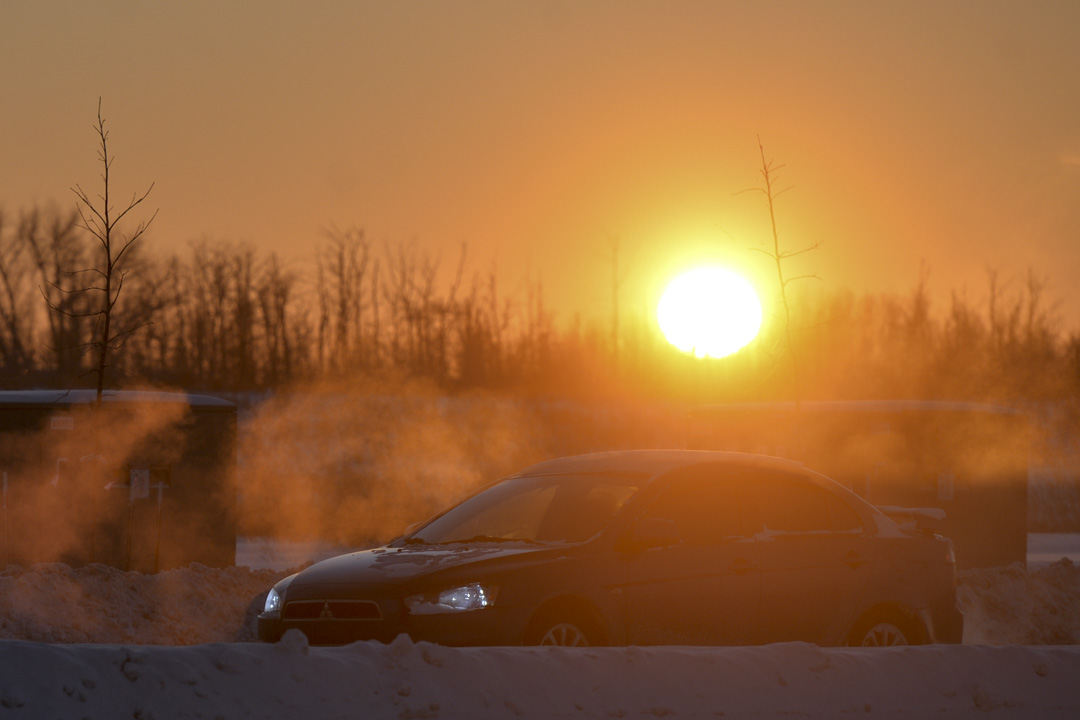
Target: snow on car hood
{"x": 396, "y": 564}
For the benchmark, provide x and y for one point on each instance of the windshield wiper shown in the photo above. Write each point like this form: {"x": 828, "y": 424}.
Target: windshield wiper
{"x": 489, "y": 539}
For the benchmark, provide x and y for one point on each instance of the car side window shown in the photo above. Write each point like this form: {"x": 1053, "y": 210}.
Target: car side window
{"x": 705, "y": 510}
{"x": 577, "y": 515}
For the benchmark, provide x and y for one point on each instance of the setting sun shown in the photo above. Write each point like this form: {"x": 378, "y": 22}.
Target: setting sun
{"x": 709, "y": 311}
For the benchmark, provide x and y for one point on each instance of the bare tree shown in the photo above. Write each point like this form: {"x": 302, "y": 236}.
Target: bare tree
{"x": 151, "y": 300}
{"x": 342, "y": 266}
{"x": 618, "y": 277}
{"x": 274, "y": 293}
{"x": 243, "y": 290}
{"x": 16, "y": 317}
{"x": 420, "y": 318}
{"x": 53, "y": 240}
{"x": 769, "y": 174}
{"x": 101, "y": 220}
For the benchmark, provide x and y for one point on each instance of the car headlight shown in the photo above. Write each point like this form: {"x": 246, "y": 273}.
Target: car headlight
{"x": 273, "y": 601}
{"x": 276, "y": 597}
{"x": 475, "y": 596}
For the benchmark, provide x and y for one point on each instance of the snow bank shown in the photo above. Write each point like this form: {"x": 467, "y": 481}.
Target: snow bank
{"x": 407, "y": 680}
{"x": 100, "y": 604}
{"x": 1004, "y": 606}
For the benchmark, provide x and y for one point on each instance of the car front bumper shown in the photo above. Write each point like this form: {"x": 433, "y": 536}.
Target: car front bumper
{"x": 490, "y": 626}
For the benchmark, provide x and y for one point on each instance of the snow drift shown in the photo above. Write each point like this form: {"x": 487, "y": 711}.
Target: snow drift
{"x": 1006, "y": 606}
{"x": 407, "y": 680}
{"x": 55, "y": 603}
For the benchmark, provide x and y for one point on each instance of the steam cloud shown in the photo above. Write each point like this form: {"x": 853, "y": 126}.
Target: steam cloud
{"x": 356, "y": 464}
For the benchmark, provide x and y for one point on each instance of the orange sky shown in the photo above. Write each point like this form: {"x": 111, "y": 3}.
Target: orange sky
{"x": 944, "y": 132}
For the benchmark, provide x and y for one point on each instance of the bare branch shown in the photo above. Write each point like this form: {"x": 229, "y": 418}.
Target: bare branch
{"x": 795, "y": 253}
{"x": 811, "y": 276}
{"x": 127, "y": 333}
{"x": 134, "y": 203}
{"x": 84, "y": 202}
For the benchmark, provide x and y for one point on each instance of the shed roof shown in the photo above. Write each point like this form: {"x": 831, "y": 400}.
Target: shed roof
{"x": 70, "y": 398}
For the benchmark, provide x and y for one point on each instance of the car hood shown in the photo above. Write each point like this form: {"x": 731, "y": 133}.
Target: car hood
{"x": 394, "y": 565}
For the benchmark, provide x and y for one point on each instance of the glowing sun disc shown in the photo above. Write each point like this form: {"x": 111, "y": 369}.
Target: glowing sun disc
{"x": 709, "y": 311}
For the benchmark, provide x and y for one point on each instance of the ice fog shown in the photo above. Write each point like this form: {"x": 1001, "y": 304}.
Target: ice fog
{"x": 356, "y": 465}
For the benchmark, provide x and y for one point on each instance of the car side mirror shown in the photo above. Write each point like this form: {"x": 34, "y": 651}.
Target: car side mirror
{"x": 651, "y": 532}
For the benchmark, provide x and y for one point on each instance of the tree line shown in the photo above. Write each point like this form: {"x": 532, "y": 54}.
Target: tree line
{"x": 226, "y": 316}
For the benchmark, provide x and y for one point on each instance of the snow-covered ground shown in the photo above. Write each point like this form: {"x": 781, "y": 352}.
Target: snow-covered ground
{"x": 407, "y": 680}
{"x": 93, "y": 642}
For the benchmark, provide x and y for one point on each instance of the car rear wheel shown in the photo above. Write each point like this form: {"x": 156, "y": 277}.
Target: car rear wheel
{"x": 887, "y": 627}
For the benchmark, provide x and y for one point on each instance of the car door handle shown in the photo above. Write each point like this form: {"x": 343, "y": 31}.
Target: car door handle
{"x": 854, "y": 560}
{"x": 740, "y": 566}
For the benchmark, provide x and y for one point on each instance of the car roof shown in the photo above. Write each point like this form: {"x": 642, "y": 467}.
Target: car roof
{"x": 705, "y": 412}
{"x": 655, "y": 462}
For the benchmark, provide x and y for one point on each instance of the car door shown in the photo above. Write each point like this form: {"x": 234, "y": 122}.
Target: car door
{"x": 702, "y": 589}
{"x": 815, "y": 559}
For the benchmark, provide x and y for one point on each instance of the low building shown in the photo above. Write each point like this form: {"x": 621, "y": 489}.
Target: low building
{"x": 145, "y": 481}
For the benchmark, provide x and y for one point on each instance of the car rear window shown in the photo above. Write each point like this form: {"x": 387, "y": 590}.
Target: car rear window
{"x": 783, "y": 503}
{"x": 793, "y": 507}
{"x": 841, "y": 515}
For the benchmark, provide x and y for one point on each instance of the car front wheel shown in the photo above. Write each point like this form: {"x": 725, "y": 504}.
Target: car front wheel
{"x": 564, "y": 634}
{"x": 564, "y": 627}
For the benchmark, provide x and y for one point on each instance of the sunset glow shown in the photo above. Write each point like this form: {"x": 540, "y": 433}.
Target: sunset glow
{"x": 709, "y": 311}
{"x": 906, "y": 127}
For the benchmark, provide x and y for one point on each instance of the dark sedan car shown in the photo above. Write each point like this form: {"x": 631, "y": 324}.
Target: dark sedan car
{"x": 650, "y": 547}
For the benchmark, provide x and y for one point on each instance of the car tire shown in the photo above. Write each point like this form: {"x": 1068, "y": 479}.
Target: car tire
{"x": 883, "y": 630}
{"x": 563, "y": 629}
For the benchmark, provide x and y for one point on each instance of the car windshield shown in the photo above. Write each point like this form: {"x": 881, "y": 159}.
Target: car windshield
{"x": 535, "y": 508}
